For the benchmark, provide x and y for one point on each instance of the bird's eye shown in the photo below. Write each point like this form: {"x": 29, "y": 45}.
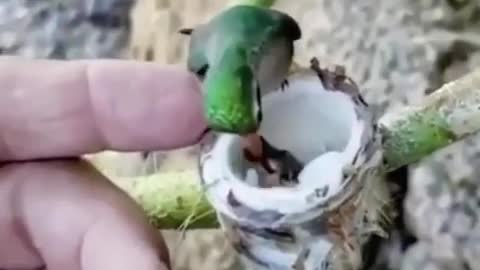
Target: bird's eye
{"x": 259, "y": 116}
{"x": 202, "y": 71}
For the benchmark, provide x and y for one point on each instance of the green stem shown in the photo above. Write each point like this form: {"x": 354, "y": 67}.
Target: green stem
{"x": 448, "y": 115}
{"x": 172, "y": 200}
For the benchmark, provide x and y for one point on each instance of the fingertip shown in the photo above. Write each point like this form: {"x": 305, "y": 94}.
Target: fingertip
{"x": 192, "y": 126}
{"x": 164, "y": 101}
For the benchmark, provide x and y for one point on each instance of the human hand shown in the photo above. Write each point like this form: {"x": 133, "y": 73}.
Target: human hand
{"x": 61, "y": 213}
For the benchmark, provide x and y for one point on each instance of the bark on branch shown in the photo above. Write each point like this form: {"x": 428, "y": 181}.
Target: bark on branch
{"x": 448, "y": 115}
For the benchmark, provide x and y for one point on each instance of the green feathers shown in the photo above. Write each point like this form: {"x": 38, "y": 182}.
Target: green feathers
{"x": 227, "y": 53}
{"x": 229, "y": 95}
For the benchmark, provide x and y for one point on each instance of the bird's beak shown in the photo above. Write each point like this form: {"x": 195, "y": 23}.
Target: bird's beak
{"x": 253, "y": 142}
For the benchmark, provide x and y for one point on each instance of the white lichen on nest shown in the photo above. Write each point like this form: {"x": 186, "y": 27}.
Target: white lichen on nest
{"x": 339, "y": 200}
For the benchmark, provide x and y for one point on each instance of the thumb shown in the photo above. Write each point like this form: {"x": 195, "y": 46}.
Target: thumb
{"x": 114, "y": 243}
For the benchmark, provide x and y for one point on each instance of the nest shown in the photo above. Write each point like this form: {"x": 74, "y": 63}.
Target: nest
{"x": 322, "y": 120}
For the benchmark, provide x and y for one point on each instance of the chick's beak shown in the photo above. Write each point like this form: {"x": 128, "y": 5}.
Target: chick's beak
{"x": 254, "y": 145}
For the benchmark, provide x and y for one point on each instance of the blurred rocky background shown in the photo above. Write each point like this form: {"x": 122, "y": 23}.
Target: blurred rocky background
{"x": 397, "y": 50}
{"x": 65, "y": 29}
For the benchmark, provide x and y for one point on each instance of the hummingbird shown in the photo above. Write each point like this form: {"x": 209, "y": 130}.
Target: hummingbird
{"x": 240, "y": 55}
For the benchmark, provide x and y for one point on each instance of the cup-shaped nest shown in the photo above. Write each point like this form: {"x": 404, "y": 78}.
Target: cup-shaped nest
{"x": 324, "y": 219}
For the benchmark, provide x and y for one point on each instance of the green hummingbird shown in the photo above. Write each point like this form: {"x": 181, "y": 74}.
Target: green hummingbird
{"x": 240, "y": 55}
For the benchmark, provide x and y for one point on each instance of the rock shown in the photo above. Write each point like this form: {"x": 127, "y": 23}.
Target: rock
{"x": 442, "y": 209}
{"x": 65, "y": 29}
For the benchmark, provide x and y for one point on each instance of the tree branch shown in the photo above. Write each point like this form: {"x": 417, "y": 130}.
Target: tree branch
{"x": 172, "y": 200}
{"x": 448, "y": 115}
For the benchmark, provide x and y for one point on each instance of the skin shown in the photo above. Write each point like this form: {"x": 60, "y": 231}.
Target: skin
{"x": 58, "y": 211}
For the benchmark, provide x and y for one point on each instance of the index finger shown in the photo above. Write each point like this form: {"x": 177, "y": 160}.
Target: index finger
{"x": 67, "y": 108}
